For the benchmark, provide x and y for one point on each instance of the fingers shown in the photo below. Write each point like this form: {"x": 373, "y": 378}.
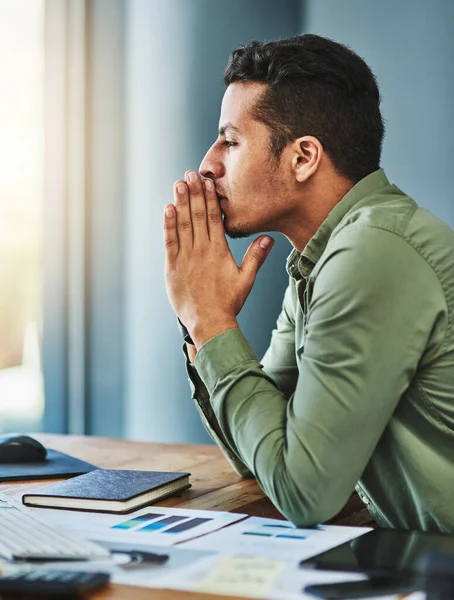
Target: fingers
{"x": 255, "y": 256}
{"x": 214, "y": 214}
{"x": 197, "y": 206}
{"x": 198, "y": 217}
{"x": 170, "y": 233}
{"x": 183, "y": 215}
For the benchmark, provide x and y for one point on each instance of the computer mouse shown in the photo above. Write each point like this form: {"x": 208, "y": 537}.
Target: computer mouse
{"x": 20, "y": 448}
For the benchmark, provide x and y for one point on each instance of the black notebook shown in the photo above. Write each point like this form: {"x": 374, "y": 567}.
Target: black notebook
{"x": 111, "y": 490}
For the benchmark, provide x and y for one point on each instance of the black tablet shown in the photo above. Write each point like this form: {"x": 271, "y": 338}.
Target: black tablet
{"x": 382, "y": 552}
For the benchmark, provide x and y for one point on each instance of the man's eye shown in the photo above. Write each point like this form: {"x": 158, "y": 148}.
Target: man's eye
{"x": 229, "y": 144}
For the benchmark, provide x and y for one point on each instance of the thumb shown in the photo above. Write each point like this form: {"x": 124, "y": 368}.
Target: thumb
{"x": 256, "y": 255}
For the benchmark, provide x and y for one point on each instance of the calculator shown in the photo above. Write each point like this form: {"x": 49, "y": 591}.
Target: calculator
{"x": 52, "y": 583}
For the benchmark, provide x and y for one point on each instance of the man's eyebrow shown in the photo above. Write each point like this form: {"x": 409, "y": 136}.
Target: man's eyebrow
{"x": 226, "y": 127}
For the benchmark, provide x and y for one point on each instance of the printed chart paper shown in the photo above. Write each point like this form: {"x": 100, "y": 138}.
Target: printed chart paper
{"x": 148, "y": 526}
{"x": 270, "y": 551}
{"x": 275, "y": 539}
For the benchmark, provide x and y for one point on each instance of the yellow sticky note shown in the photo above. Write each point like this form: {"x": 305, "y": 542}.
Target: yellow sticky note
{"x": 241, "y": 575}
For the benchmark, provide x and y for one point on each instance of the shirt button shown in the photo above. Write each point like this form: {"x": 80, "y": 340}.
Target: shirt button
{"x": 365, "y": 499}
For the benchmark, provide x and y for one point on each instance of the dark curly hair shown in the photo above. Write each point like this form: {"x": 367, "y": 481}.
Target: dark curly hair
{"x": 318, "y": 87}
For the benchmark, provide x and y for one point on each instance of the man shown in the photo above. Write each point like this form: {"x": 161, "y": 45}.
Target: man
{"x": 357, "y": 386}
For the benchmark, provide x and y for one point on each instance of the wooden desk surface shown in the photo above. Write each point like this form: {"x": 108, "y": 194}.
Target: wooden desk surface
{"x": 215, "y": 486}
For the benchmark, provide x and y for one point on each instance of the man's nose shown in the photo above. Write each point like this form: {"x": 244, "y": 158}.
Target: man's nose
{"x": 210, "y": 167}
{"x": 205, "y": 169}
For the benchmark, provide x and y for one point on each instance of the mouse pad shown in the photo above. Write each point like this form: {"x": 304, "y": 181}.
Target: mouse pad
{"x": 56, "y": 464}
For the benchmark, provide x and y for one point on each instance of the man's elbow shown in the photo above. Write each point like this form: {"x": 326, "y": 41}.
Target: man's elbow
{"x": 307, "y": 516}
{"x": 300, "y": 504}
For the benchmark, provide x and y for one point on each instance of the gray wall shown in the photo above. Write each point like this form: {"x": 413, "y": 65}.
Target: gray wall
{"x": 409, "y": 45}
{"x": 175, "y": 55}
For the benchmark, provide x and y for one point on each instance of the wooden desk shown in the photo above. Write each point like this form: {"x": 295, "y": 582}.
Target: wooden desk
{"x": 215, "y": 486}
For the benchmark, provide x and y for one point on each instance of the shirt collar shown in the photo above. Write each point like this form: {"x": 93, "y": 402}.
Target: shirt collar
{"x": 300, "y": 264}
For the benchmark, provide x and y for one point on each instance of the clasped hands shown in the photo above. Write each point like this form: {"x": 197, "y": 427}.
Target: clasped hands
{"x": 205, "y": 286}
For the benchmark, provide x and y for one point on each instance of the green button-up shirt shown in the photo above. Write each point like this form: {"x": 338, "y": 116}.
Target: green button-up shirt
{"x": 357, "y": 386}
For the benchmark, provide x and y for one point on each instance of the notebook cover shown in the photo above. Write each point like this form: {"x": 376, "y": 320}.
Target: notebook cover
{"x": 55, "y": 465}
{"x": 109, "y": 484}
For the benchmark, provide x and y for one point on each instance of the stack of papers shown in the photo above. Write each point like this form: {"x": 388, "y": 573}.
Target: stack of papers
{"x": 209, "y": 551}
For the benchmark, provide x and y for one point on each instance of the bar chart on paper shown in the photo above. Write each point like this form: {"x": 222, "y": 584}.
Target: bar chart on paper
{"x": 158, "y": 523}
{"x": 273, "y": 538}
{"x": 160, "y": 526}
{"x": 279, "y": 532}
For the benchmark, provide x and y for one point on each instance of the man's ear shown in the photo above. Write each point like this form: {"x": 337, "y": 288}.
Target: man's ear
{"x": 307, "y": 154}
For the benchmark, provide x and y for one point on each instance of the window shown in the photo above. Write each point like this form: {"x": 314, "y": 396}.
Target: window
{"x": 21, "y": 201}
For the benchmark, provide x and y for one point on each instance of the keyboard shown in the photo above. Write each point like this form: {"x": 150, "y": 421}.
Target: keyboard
{"x": 24, "y": 537}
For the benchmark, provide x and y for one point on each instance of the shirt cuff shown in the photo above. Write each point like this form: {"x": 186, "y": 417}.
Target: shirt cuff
{"x": 220, "y": 355}
{"x": 198, "y": 389}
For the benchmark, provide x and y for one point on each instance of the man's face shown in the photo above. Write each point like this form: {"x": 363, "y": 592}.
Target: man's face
{"x": 254, "y": 188}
